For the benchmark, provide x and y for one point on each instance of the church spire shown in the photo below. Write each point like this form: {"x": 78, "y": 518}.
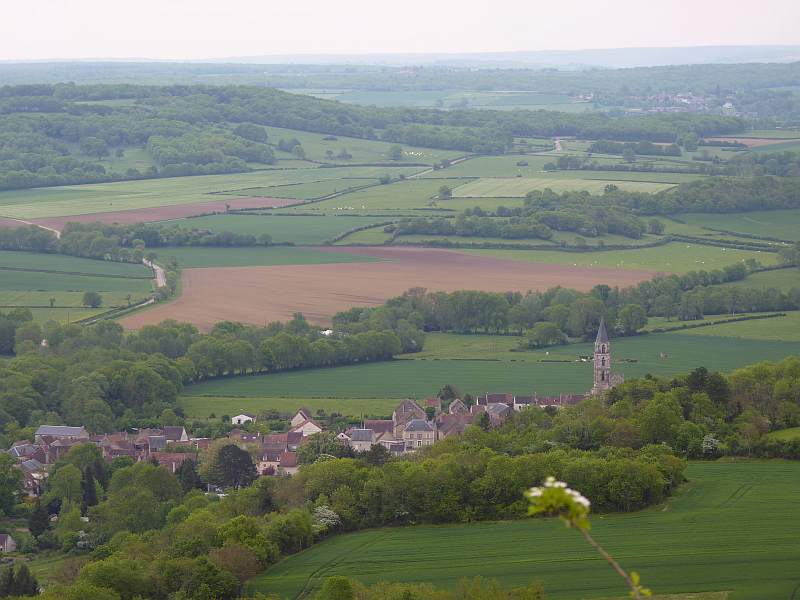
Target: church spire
{"x": 602, "y": 333}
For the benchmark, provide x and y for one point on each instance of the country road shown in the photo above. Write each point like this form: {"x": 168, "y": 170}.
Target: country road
{"x": 161, "y": 278}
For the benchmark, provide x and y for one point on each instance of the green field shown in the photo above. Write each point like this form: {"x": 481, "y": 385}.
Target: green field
{"x": 781, "y": 224}
{"x": 516, "y": 187}
{"x": 785, "y": 328}
{"x": 148, "y": 193}
{"x": 32, "y": 280}
{"x": 784, "y": 435}
{"x": 500, "y": 371}
{"x": 304, "y": 191}
{"x": 401, "y": 195}
{"x": 293, "y": 229}
{"x": 732, "y": 527}
{"x": 675, "y": 257}
{"x": 192, "y": 257}
{"x": 201, "y": 407}
{"x": 784, "y": 279}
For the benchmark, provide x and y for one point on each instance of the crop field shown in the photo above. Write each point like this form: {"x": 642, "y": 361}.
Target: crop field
{"x": 500, "y": 370}
{"x": 402, "y": 195}
{"x": 519, "y": 186}
{"x": 247, "y": 256}
{"x": 781, "y": 224}
{"x": 305, "y": 191}
{"x": 674, "y": 257}
{"x": 148, "y": 193}
{"x": 732, "y": 527}
{"x": 294, "y": 229}
{"x": 784, "y": 279}
{"x": 319, "y": 291}
{"x": 778, "y": 328}
{"x": 202, "y": 407}
{"x": 52, "y": 285}
{"x": 374, "y": 236}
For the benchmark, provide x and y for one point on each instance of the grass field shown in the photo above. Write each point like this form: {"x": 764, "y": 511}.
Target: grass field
{"x": 31, "y": 280}
{"x": 304, "y": 191}
{"x": 779, "y": 328}
{"x": 127, "y": 195}
{"x": 731, "y": 527}
{"x": 784, "y": 279}
{"x": 676, "y": 257}
{"x": 283, "y": 228}
{"x": 498, "y": 187}
{"x": 781, "y": 224}
{"x": 401, "y": 195}
{"x": 792, "y": 433}
{"x": 192, "y": 257}
{"x": 501, "y": 371}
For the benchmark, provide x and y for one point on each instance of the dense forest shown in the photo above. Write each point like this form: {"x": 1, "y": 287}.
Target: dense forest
{"x": 59, "y": 134}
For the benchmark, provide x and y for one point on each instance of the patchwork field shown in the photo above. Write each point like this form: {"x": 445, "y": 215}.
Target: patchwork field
{"x": 52, "y": 285}
{"x": 519, "y": 186}
{"x": 782, "y": 224}
{"x": 283, "y": 228}
{"x": 676, "y": 257}
{"x": 401, "y": 195}
{"x": 730, "y": 528}
{"x": 304, "y": 191}
{"x": 490, "y": 366}
{"x": 199, "y": 257}
{"x": 148, "y": 193}
{"x": 320, "y": 291}
{"x": 162, "y": 213}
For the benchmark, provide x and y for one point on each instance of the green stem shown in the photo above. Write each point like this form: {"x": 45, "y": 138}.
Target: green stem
{"x": 614, "y": 564}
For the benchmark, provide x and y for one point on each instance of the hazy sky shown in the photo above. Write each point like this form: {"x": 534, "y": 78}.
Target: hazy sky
{"x": 222, "y": 28}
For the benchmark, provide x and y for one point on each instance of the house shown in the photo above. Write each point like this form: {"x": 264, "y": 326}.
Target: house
{"x": 435, "y": 403}
{"x": 418, "y": 433}
{"x": 289, "y": 463}
{"x": 380, "y": 426}
{"x": 243, "y": 418}
{"x": 361, "y": 440}
{"x": 282, "y": 441}
{"x": 61, "y": 432}
{"x": 172, "y": 460}
{"x": 156, "y": 443}
{"x": 33, "y": 475}
{"x": 488, "y": 398}
{"x": 176, "y": 434}
{"x": 406, "y": 411}
{"x": 457, "y": 407}
{"x": 7, "y": 543}
{"x": 307, "y": 427}
{"x": 270, "y": 461}
{"x": 498, "y": 412}
{"x": 302, "y": 416}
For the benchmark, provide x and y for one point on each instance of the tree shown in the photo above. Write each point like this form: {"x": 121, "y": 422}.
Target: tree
{"x": 65, "y": 484}
{"x": 236, "y": 468}
{"x": 632, "y": 317}
{"x": 187, "y": 476}
{"x": 299, "y": 152}
{"x": 39, "y": 520}
{"x": 10, "y": 483}
{"x": 336, "y": 588}
{"x": 92, "y": 299}
{"x": 395, "y": 152}
{"x": 544, "y": 334}
{"x": 655, "y": 226}
{"x": 445, "y": 193}
{"x": 24, "y": 583}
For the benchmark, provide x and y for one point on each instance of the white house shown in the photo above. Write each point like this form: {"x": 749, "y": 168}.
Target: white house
{"x": 361, "y": 439}
{"x": 301, "y": 417}
{"x": 307, "y": 428}
{"x": 7, "y": 543}
{"x": 243, "y": 418}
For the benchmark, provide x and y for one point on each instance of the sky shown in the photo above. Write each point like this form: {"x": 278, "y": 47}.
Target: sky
{"x": 197, "y": 29}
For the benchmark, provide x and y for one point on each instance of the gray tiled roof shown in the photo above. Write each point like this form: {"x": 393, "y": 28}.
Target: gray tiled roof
{"x": 361, "y": 435}
{"x": 61, "y": 431}
{"x": 418, "y": 425}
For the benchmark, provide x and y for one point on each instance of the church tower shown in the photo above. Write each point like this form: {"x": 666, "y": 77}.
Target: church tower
{"x": 602, "y": 360}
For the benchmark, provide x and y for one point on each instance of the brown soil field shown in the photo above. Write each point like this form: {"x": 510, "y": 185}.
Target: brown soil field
{"x": 9, "y": 222}
{"x": 752, "y": 142}
{"x": 262, "y": 294}
{"x": 165, "y": 213}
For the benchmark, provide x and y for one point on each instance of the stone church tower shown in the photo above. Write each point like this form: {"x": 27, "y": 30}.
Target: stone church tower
{"x": 603, "y": 378}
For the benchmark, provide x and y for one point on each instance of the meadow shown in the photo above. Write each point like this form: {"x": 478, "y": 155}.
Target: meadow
{"x": 127, "y": 195}
{"x": 730, "y": 528}
{"x": 778, "y": 328}
{"x": 519, "y": 186}
{"x": 251, "y": 256}
{"x": 284, "y": 228}
{"x": 35, "y": 281}
{"x": 783, "y": 279}
{"x": 549, "y": 371}
{"x": 782, "y": 224}
{"x": 304, "y": 191}
{"x": 401, "y": 195}
{"x": 674, "y": 257}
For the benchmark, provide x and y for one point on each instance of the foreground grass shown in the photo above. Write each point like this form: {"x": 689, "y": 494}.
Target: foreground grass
{"x": 732, "y": 527}
{"x": 675, "y": 257}
{"x": 498, "y": 370}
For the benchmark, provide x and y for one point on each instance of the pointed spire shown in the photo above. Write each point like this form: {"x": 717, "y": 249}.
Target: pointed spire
{"x": 602, "y": 334}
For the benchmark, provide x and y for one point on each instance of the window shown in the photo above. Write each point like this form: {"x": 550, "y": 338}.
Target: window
{"x": 603, "y": 362}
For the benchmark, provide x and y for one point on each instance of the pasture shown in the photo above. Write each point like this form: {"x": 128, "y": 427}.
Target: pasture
{"x": 778, "y": 328}
{"x": 248, "y": 256}
{"x": 781, "y": 224}
{"x": 147, "y": 193}
{"x": 305, "y": 191}
{"x": 515, "y": 187}
{"x": 478, "y": 365}
{"x": 401, "y": 195}
{"x": 732, "y": 527}
{"x": 674, "y": 257}
{"x": 283, "y": 228}
{"x": 52, "y": 285}
{"x": 783, "y": 279}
